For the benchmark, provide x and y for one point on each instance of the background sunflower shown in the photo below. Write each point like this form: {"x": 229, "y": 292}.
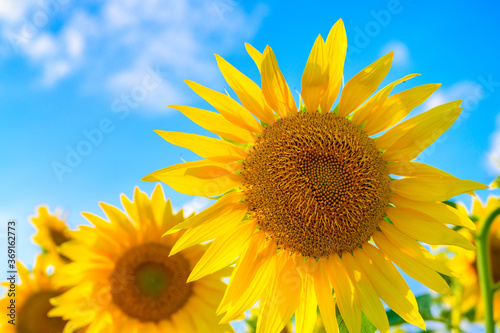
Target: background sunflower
{"x": 32, "y": 299}
{"x": 123, "y": 277}
{"x": 51, "y": 232}
{"x": 468, "y": 292}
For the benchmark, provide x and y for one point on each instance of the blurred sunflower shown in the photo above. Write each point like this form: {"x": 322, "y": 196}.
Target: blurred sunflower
{"x": 51, "y": 233}
{"x": 303, "y": 192}
{"x": 32, "y": 297}
{"x": 124, "y": 279}
{"x": 465, "y": 262}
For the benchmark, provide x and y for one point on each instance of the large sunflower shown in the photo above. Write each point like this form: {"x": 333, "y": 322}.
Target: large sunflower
{"x": 126, "y": 282}
{"x": 51, "y": 233}
{"x": 304, "y": 192}
{"x": 32, "y": 297}
{"x": 466, "y": 261}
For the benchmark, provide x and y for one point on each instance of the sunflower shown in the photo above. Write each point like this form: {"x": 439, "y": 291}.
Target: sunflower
{"x": 52, "y": 232}
{"x": 302, "y": 194}
{"x": 32, "y": 297}
{"x": 125, "y": 280}
{"x": 466, "y": 261}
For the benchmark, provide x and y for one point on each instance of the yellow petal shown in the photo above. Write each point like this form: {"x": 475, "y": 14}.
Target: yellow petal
{"x": 162, "y": 208}
{"x": 215, "y": 123}
{"x": 248, "y": 92}
{"x": 393, "y": 135}
{"x": 433, "y": 189}
{"x": 398, "y": 106}
{"x": 204, "y": 146}
{"x": 363, "y": 84}
{"x": 369, "y": 300}
{"x": 411, "y": 137}
{"x": 274, "y": 86}
{"x": 247, "y": 282}
{"x": 221, "y": 206}
{"x": 23, "y": 272}
{"x": 256, "y": 56}
{"x": 389, "y": 284}
{"x": 413, "y": 268}
{"x": 257, "y": 287}
{"x": 477, "y": 208}
{"x": 184, "y": 178}
{"x": 107, "y": 228}
{"x": 324, "y": 296}
{"x": 371, "y": 110}
{"x": 282, "y": 300}
{"x": 223, "y": 251}
{"x": 118, "y": 217}
{"x": 414, "y": 249}
{"x": 316, "y": 76}
{"x": 306, "y": 314}
{"x": 440, "y": 211}
{"x": 335, "y": 48}
{"x": 210, "y": 230}
{"x": 183, "y": 321}
{"x": 425, "y": 228}
{"x": 416, "y": 169}
{"x": 345, "y": 293}
{"x": 228, "y": 107}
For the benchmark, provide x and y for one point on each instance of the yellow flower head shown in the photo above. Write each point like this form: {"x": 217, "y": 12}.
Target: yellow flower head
{"x": 31, "y": 298}
{"x": 51, "y": 233}
{"x": 305, "y": 191}
{"x": 466, "y": 261}
{"x": 126, "y": 282}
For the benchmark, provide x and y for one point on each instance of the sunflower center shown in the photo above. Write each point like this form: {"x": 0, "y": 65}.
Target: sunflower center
{"x": 316, "y": 184}
{"x": 32, "y": 317}
{"x": 152, "y": 279}
{"x": 149, "y": 285}
{"x": 58, "y": 237}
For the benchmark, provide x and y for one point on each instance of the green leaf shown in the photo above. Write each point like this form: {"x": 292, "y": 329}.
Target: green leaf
{"x": 336, "y": 109}
{"x": 424, "y": 307}
{"x": 366, "y": 325}
{"x": 450, "y": 203}
{"x": 251, "y": 324}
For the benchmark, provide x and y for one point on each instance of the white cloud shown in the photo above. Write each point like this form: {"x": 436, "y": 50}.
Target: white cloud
{"x": 13, "y": 11}
{"x": 74, "y": 43}
{"x": 493, "y": 154}
{"x": 401, "y": 53}
{"x": 469, "y": 92}
{"x": 42, "y": 47}
{"x": 111, "y": 43}
{"x": 53, "y": 71}
{"x": 195, "y": 205}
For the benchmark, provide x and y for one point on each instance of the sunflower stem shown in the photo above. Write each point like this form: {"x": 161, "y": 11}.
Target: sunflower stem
{"x": 456, "y": 309}
{"x": 496, "y": 287}
{"x": 484, "y": 270}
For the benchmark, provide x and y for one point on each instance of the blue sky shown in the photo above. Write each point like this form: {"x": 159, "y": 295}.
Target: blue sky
{"x": 70, "y": 69}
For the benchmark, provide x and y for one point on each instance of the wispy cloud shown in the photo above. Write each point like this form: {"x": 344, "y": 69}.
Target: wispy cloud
{"x": 470, "y": 92}
{"x": 493, "y": 154}
{"x": 194, "y": 206}
{"x": 111, "y": 44}
{"x": 401, "y": 53}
